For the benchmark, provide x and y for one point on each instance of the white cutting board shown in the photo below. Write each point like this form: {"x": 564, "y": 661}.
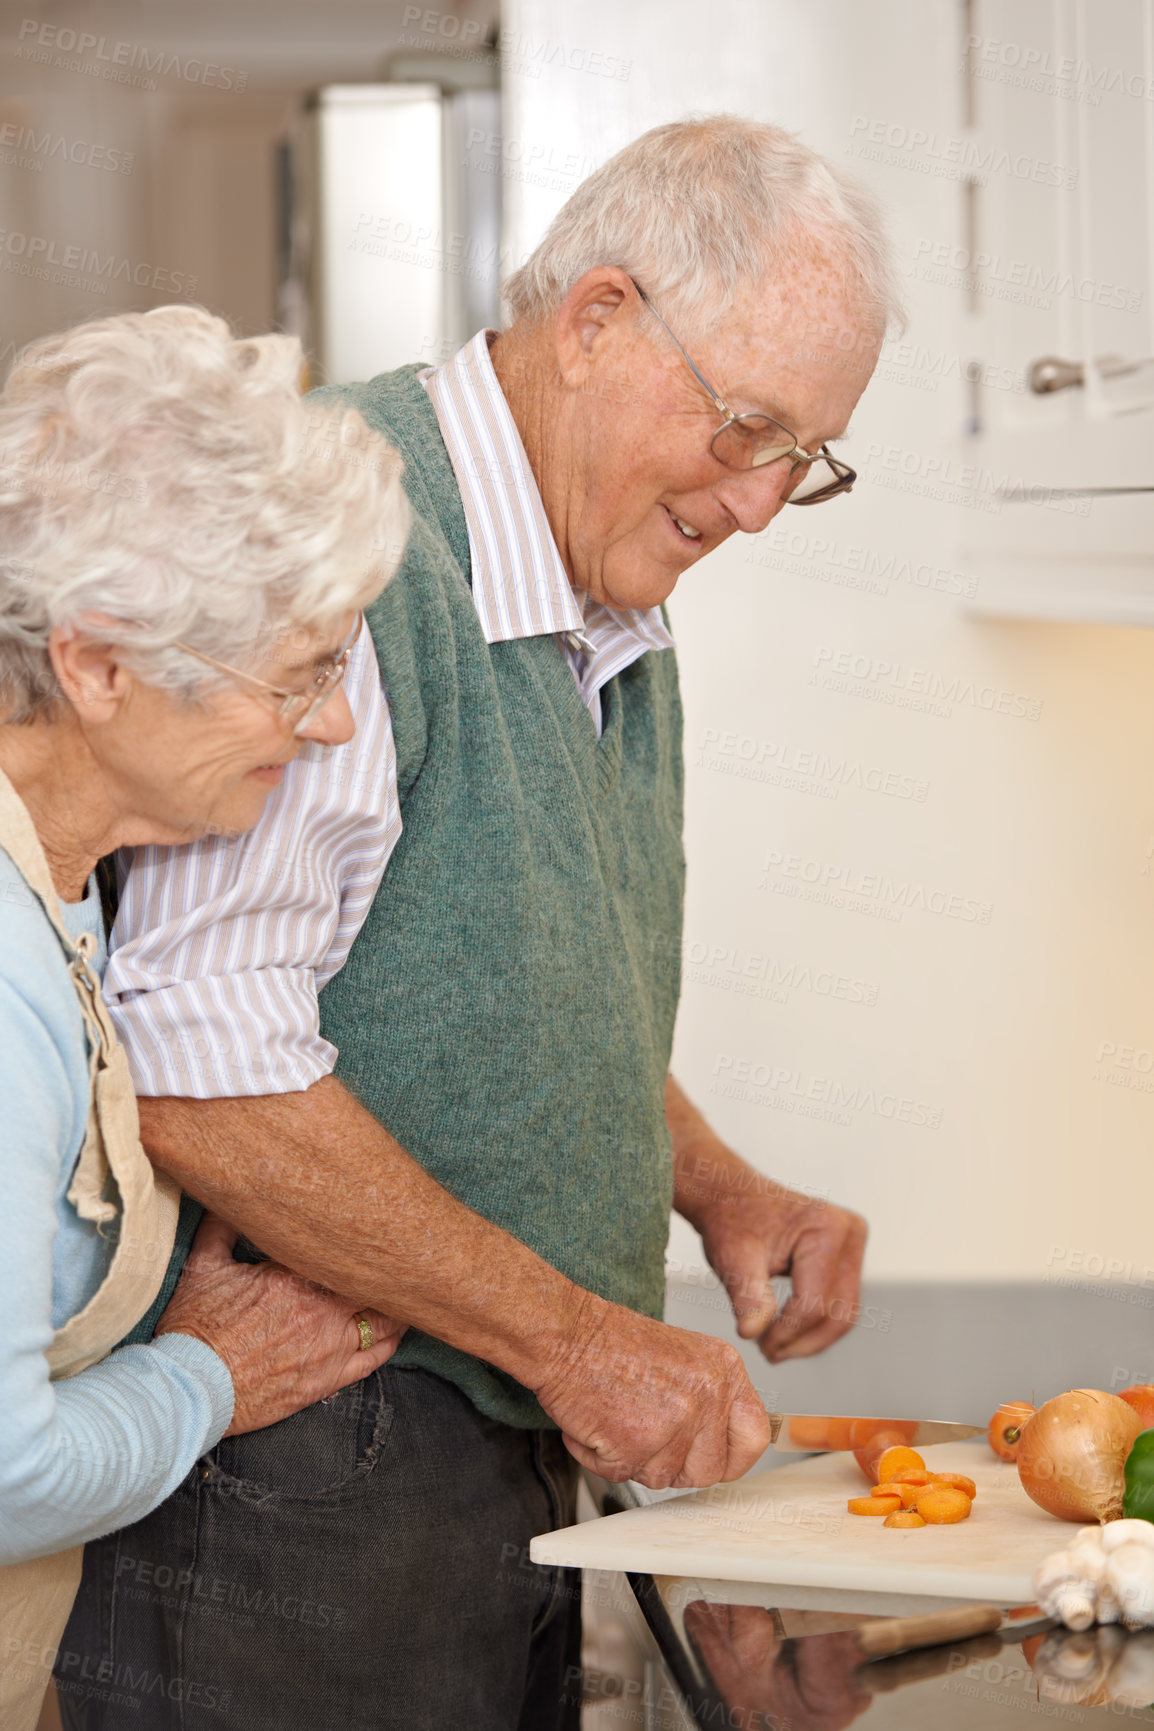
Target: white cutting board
{"x": 790, "y": 1527}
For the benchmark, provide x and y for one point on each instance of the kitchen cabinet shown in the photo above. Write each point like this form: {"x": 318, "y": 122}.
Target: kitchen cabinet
{"x": 1056, "y": 268}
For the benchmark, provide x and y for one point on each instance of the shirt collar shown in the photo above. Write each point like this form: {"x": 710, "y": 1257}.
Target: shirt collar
{"x": 520, "y": 586}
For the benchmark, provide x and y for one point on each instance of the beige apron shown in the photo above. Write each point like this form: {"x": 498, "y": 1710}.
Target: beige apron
{"x": 36, "y": 1597}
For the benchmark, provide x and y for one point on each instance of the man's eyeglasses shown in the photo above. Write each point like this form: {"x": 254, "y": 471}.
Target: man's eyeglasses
{"x": 751, "y": 441}
{"x": 296, "y": 707}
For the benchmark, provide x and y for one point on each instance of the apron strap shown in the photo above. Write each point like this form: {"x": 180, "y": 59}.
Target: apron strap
{"x": 21, "y": 843}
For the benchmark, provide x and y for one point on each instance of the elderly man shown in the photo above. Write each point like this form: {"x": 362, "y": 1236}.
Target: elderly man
{"x": 411, "y": 1036}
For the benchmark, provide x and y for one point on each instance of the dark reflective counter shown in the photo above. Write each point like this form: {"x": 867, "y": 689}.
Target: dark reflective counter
{"x": 752, "y": 1666}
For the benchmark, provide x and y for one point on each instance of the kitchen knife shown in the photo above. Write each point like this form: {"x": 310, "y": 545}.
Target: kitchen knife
{"x": 881, "y": 1638}
{"x": 819, "y": 1433}
{"x": 893, "y": 1634}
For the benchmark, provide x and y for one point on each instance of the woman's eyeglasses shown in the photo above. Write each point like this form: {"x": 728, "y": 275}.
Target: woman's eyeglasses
{"x": 296, "y": 707}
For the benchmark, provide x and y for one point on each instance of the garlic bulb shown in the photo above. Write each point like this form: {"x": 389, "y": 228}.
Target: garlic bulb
{"x": 1071, "y": 1668}
{"x": 1116, "y": 1533}
{"x": 1066, "y": 1585}
{"x": 1129, "y": 1572}
{"x": 1107, "y": 1609}
{"x": 1131, "y": 1679}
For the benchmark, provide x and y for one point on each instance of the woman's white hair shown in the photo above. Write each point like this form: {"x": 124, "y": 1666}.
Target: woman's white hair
{"x": 163, "y": 479}
{"x": 701, "y": 208}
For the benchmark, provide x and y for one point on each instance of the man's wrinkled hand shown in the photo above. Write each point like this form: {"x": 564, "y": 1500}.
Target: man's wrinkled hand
{"x": 637, "y": 1399}
{"x": 753, "y": 1228}
{"x": 770, "y": 1230}
{"x": 810, "y": 1685}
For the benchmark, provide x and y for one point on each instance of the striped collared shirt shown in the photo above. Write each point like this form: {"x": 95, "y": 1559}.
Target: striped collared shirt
{"x": 220, "y": 948}
{"x": 520, "y": 588}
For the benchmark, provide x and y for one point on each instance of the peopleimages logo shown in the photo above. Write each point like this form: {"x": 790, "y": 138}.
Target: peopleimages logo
{"x": 851, "y": 565}
{"x": 873, "y": 893}
{"x": 951, "y": 158}
{"x": 858, "y": 674}
{"x": 35, "y": 255}
{"x": 777, "y": 764}
{"x": 793, "y": 1089}
{"x": 119, "y": 62}
{"x": 1021, "y": 278}
{"x": 1033, "y": 68}
{"x": 723, "y": 963}
{"x": 24, "y": 147}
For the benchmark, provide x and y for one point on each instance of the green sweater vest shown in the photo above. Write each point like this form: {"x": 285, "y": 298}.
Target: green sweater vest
{"x": 507, "y": 1008}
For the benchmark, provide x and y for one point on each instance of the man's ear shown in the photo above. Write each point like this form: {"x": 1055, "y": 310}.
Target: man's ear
{"x": 598, "y": 311}
{"x": 90, "y": 673}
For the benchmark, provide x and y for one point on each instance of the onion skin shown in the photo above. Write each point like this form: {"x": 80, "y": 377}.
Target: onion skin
{"x": 1072, "y": 1455}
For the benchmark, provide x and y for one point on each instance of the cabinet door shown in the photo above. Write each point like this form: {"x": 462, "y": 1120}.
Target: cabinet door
{"x": 1060, "y": 94}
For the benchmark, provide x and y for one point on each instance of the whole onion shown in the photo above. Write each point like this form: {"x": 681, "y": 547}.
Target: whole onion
{"x": 1072, "y": 1454}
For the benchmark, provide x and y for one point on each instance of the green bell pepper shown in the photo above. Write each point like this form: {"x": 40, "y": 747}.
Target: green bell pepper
{"x": 1138, "y": 1501}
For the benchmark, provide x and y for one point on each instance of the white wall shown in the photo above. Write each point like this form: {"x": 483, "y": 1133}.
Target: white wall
{"x": 1037, "y": 802}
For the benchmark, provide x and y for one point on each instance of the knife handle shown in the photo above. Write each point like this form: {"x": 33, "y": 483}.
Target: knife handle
{"x": 898, "y": 1634}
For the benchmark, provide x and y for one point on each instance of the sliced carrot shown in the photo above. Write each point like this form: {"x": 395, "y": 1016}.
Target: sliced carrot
{"x": 908, "y": 1493}
{"x": 873, "y": 1505}
{"x": 912, "y": 1476}
{"x": 904, "y": 1518}
{"x": 898, "y": 1460}
{"x": 942, "y": 1505}
{"x": 958, "y": 1482}
{"x": 868, "y": 1454}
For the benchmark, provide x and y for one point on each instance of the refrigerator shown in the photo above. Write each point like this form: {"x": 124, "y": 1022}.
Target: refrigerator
{"x": 389, "y": 233}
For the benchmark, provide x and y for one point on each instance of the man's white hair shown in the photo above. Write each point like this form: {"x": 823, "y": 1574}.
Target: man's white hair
{"x": 698, "y": 210}
{"x": 162, "y": 479}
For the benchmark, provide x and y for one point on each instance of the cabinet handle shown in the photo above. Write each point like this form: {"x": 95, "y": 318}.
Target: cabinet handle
{"x": 1051, "y": 373}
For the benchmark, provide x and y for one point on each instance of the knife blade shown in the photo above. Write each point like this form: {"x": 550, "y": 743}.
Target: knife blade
{"x": 821, "y": 1433}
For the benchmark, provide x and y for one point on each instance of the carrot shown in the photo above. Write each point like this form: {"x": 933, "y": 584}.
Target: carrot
{"x": 873, "y": 1505}
{"x": 898, "y": 1460}
{"x": 958, "y": 1482}
{"x": 908, "y": 1493}
{"x": 868, "y": 1454}
{"x": 809, "y": 1433}
{"x": 942, "y": 1505}
{"x": 1006, "y": 1427}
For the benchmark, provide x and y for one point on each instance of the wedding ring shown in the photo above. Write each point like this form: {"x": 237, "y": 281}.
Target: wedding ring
{"x": 365, "y": 1330}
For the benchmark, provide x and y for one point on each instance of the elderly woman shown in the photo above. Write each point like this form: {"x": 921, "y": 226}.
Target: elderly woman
{"x": 183, "y": 561}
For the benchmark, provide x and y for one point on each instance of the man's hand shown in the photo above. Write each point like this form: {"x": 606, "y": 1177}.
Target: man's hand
{"x": 752, "y": 1229}
{"x": 812, "y": 1685}
{"x": 636, "y": 1399}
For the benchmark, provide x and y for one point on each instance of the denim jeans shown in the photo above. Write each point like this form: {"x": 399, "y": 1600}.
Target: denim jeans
{"x": 362, "y": 1566}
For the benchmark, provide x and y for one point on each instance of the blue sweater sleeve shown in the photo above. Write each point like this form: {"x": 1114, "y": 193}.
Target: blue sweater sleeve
{"x": 93, "y": 1452}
